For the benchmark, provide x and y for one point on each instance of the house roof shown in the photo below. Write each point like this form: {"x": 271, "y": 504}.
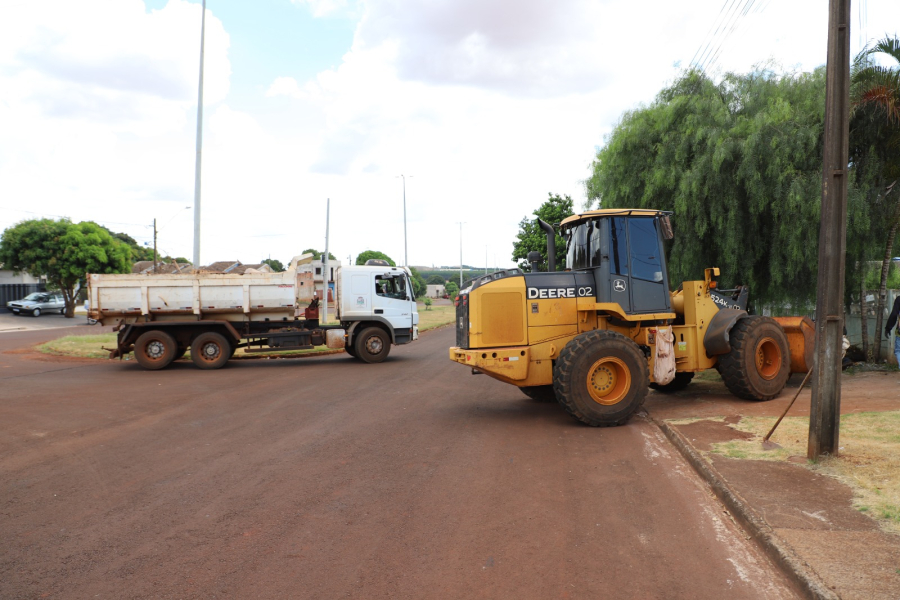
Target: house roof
{"x": 259, "y": 267}
{"x": 222, "y": 266}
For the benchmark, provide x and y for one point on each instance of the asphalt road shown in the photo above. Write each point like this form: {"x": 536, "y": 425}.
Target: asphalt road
{"x": 329, "y": 478}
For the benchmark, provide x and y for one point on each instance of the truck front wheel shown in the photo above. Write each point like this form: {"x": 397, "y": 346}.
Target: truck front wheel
{"x": 372, "y": 345}
{"x": 601, "y": 378}
{"x": 210, "y": 350}
{"x": 155, "y": 350}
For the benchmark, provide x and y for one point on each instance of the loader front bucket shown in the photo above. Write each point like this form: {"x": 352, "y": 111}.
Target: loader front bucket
{"x": 801, "y": 335}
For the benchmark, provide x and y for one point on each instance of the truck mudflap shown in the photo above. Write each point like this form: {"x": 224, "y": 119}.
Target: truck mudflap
{"x": 510, "y": 363}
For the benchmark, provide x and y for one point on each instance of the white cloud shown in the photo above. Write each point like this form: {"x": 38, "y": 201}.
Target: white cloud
{"x": 488, "y": 105}
{"x": 98, "y": 104}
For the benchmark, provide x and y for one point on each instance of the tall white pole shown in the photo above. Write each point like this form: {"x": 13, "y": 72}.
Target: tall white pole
{"x": 199, "y": 144}
{"x": 405, "y": 254}
{"x": 325, "y": 261}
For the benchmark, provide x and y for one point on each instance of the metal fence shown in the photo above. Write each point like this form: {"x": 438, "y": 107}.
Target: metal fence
{"x": 17, "y": 291}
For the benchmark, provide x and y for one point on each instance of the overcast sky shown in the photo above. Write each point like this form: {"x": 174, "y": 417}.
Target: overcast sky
{"x": 486, "y": 106}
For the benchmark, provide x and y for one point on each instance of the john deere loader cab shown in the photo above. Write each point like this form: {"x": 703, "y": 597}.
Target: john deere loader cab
{"x": 623, "y": 250}
{"x": 595, "y": 336}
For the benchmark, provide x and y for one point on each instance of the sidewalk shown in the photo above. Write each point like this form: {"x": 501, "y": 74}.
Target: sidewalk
{"x": 805, "y": 521}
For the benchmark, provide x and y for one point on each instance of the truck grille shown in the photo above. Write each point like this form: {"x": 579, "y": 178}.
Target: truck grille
{"x": 462, "y": 321}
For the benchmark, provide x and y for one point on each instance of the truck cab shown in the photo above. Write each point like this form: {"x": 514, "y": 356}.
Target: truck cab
{"x": 376, "y": 297}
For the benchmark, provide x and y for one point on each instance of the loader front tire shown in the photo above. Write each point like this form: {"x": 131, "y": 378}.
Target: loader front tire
{"x": 601, "y": 378}
{"x": 759, "y": 364}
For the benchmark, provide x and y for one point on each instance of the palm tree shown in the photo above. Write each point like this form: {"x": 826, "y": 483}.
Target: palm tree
{"x": 877, "y": 88}
{"x": 877, "y": 85}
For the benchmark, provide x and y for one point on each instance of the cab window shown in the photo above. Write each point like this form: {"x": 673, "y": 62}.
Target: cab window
{"x": 391, "y": 287}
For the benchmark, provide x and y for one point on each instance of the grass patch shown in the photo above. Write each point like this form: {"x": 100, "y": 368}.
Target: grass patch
{"x": 82, "y": 346}
{"x": 436, "y": 316}
{"x": 869, "y": 460}
{"x": 708, "y": 375}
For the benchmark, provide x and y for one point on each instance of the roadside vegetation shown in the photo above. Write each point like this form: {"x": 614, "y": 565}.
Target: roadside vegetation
{"x": 91, "y": 346}
{"x": 869, "y": 460}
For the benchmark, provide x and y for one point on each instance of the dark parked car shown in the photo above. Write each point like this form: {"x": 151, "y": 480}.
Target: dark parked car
{"x": 37, "y": 303}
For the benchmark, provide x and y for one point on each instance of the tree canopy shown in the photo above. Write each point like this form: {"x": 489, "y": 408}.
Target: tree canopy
{"x": 418, "y": 282}
{"x": 435, "y": 280}
{"x": 274, "y": 264}
{"x": 739, "y": 163}
{"x": 532, "y": 238}
{"x": 63, "y": 252}
{"x": 369, "y": 254}
{"x": 317, "y": 254}
{"x": 452, "y": 288}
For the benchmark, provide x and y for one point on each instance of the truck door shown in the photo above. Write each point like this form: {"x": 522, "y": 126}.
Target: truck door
{"x": 393, "y": 301}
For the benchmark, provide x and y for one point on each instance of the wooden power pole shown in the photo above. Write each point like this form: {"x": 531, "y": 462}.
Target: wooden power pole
{"x": 824, "y": 417}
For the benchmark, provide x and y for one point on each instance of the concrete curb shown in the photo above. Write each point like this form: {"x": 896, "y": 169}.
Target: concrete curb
{"x": 783, "y": 556}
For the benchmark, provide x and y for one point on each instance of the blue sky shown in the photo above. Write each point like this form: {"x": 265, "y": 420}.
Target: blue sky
{"x": 489, "y": 105}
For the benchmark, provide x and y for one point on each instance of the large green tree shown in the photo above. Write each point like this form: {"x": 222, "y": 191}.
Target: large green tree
{"x": 369, "y": 254}
{"x": 739, "y": 163}
{"x": 63, "y": 252}
{"x": 532, "y": 238}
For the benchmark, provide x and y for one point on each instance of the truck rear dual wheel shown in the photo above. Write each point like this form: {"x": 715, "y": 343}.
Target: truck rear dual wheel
{"x": 155, "y": 349}
{"x": 210, "y": 350}
{"x": 372, "y": 345}
{"x": 601, "y": 378}
{"x": 759, "y": 364}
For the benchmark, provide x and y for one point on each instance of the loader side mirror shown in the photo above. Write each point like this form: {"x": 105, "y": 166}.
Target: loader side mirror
{"x": 665, "y": 225}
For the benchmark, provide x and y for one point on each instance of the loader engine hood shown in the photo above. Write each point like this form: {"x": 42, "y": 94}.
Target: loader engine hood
{"x": 497, "y": 309}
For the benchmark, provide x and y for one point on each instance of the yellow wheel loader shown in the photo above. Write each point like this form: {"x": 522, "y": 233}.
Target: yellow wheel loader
{"x": 589, "y": 337}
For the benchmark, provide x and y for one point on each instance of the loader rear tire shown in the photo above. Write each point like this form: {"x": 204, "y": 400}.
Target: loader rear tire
{"x": 601, "y": 378}
{"x": 681, "y": 381}
{"x": 541, "y": 393}
{"x": 759, "y": 364}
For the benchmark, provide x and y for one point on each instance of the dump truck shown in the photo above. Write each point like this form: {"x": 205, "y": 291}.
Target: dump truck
{"x": 161, "y": 317}
{"x": 589, "y": 337}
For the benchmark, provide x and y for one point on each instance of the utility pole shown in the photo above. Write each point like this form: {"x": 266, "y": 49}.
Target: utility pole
{"x": 825, "y": 410}
{"x": 155, "y": 255}
{"x": 199, "y": 144}
{"x": 325, "y": 262}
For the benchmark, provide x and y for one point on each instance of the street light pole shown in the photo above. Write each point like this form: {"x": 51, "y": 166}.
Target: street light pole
{"x": 199, "y": 144}
{"x": 405, "y": 255}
